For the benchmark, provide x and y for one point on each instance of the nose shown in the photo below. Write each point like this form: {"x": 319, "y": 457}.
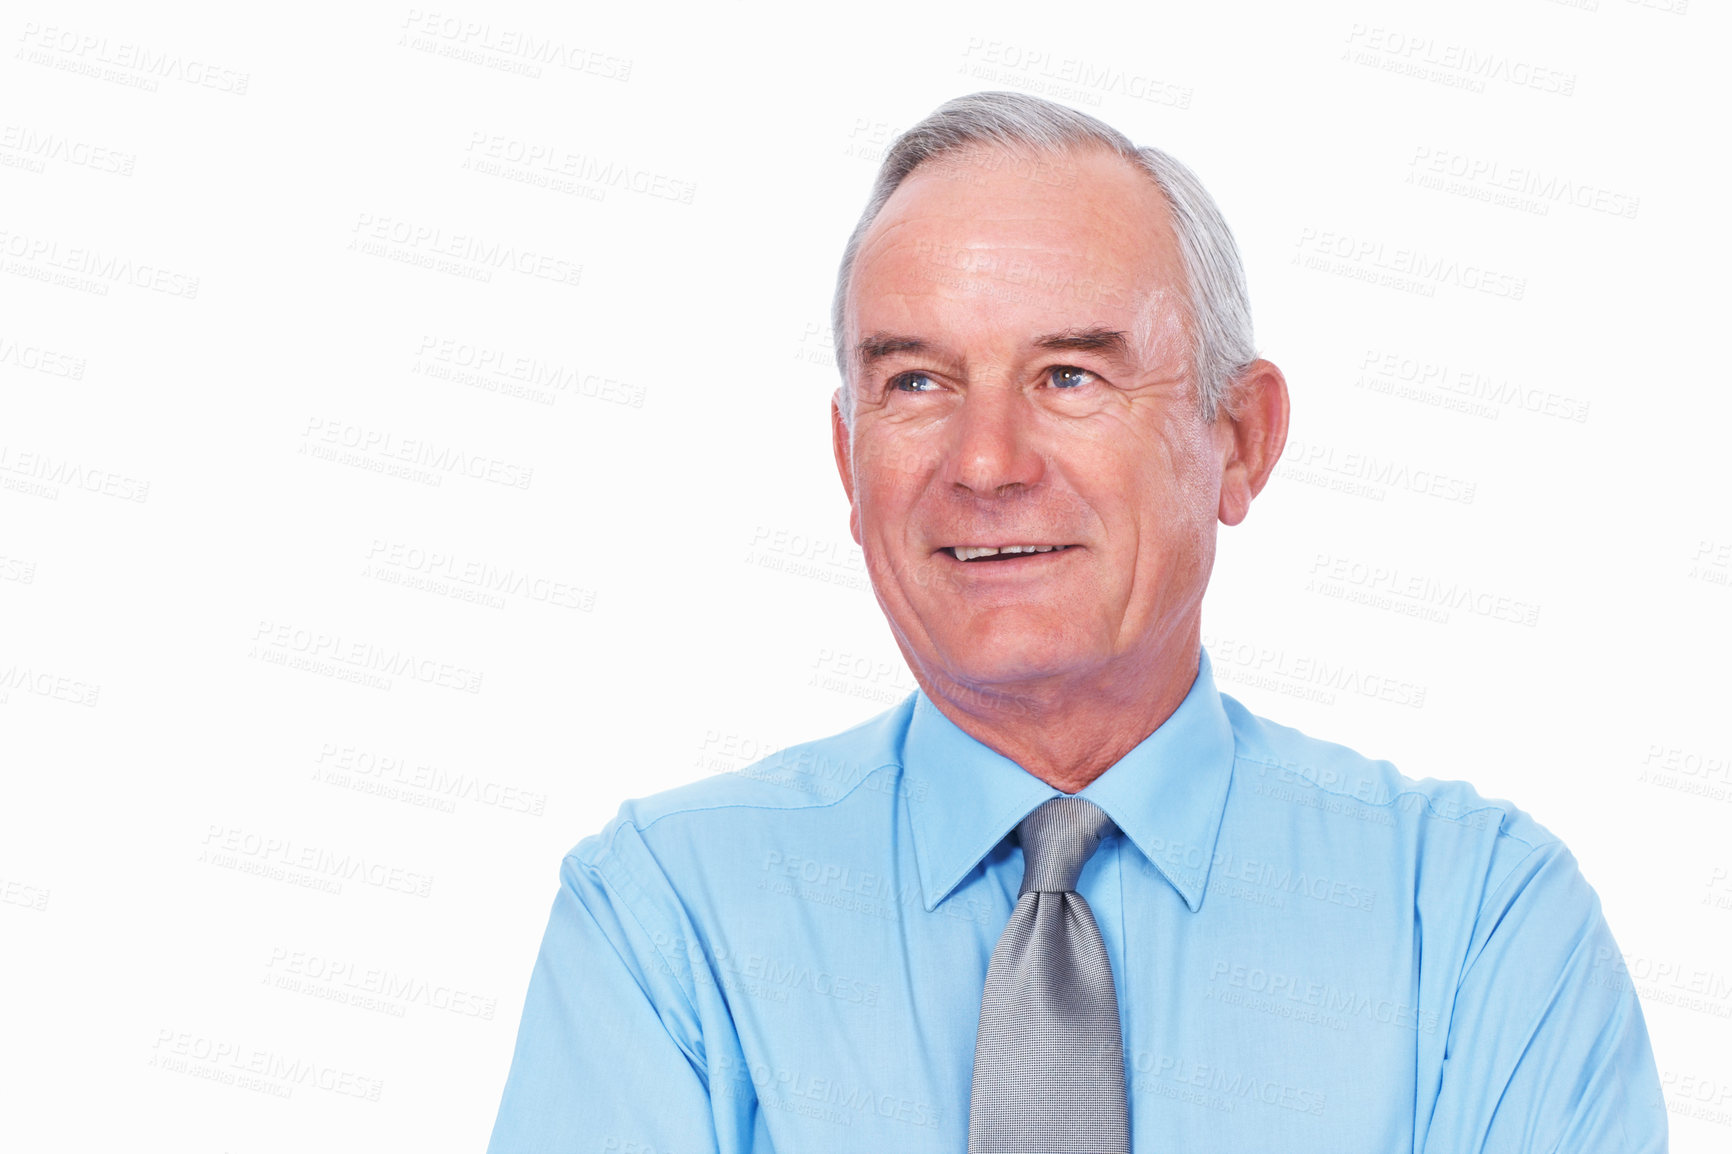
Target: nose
{"x": 992, "y": 451}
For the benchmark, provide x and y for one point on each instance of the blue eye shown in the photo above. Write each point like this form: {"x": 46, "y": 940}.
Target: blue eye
{"x": 1067, "y": 376}
{"x": 906, "y": 383}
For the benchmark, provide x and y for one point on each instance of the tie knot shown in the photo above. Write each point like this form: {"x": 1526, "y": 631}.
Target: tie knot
{"x": 1057, "y": 840}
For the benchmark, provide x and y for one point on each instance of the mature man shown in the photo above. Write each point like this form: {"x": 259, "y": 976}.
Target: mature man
{"x": 1066, "y": 897}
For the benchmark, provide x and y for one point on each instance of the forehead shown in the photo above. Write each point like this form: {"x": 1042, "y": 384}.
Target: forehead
{"x": 1017, "y": 239}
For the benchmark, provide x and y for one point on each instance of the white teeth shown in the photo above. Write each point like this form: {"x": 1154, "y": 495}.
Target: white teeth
{"x": 970, "y": 552}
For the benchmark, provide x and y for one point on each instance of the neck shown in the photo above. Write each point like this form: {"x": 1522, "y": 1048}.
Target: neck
{"x": 1064, "y": 730}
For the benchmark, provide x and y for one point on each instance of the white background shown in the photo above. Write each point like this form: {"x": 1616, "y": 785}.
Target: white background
{"x": 238, "y": 356}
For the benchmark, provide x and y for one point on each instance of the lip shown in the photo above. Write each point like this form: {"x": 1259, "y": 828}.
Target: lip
{"x": 1023, "y": 563}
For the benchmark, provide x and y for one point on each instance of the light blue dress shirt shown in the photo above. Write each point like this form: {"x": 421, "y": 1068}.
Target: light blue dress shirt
{"x": 1311, "y": 952}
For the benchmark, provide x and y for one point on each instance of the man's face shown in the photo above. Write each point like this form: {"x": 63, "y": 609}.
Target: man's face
{"x": 1022, "y": 374}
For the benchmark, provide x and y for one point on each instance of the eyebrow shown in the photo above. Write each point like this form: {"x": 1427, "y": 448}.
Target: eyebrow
{"x": 879, "y": 346}
{"x": 1109, "y": 341}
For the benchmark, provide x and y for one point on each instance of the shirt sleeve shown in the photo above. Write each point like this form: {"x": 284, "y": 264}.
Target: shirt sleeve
{"x": 1546, "y": 1048}
{"x": 609, "y": 1058}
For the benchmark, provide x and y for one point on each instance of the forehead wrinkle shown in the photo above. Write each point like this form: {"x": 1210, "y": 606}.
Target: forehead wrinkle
{"x": 941, "y": 230}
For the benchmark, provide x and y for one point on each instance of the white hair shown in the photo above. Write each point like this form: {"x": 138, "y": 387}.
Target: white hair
{"x": 1217, "y": 302}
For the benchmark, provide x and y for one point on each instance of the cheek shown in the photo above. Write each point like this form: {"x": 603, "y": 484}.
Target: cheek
{"x": 881, "y": 507}
{"x": 881, "y": 514}
{"x": 1176, "y": 501}
{"x": 1173, "y": 465}
{"x": 892, "y": 468}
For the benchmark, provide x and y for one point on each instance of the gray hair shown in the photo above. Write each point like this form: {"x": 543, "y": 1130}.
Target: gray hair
{"x": 1218, "y": 304}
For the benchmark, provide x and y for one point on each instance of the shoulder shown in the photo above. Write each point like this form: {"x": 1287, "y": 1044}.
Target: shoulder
{"x": 1274, "y": 760}
{"x": 813, "y": 775}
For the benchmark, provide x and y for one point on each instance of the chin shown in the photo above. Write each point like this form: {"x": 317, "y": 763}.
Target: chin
{"x": 1005, "y": 660}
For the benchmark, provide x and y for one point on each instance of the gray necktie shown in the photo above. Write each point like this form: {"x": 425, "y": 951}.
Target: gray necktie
{"x": 1049, "y": 1067}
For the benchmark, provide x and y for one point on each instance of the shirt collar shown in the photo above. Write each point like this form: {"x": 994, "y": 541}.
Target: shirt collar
{"x": 1166, "y": 795}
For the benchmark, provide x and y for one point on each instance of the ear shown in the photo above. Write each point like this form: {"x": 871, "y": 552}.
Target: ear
{"x": 1255, "y": 438}
{"x": 839, "y": 442}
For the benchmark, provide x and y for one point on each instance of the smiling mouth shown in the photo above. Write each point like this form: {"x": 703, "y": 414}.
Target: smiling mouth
{"x": 999, "y": 552}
